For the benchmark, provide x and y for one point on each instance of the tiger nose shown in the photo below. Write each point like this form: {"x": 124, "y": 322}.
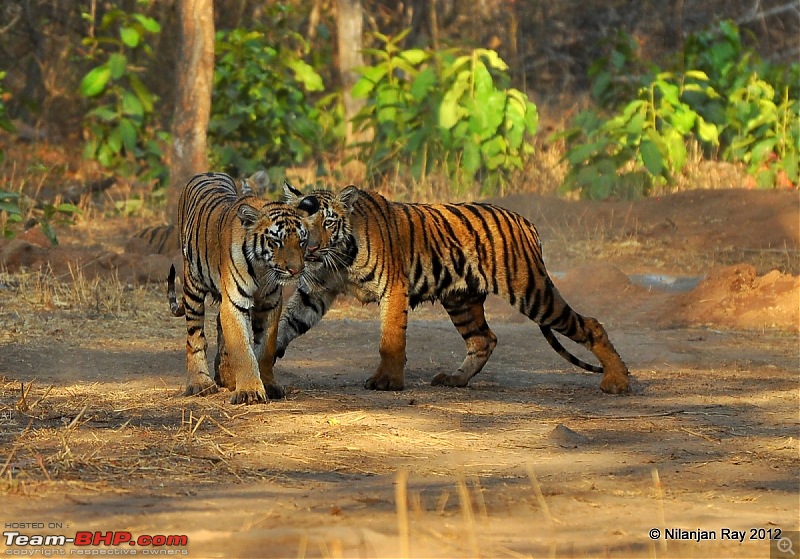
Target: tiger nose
{"x": 294, "y": 269}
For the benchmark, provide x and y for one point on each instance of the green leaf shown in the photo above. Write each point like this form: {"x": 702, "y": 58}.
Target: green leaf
{"x": 532, "y": 118}
{"x": 131, "y": 105}
{"x": 707, "y": 131}
{"x": 670, "y": 93}
{"x": 9, "y": 207}
{"x": 128, "y": 134}
{"x": 697, "y": 74}
{"x": 488, "y": 111}
{"x": 103, "y": 113}
{"x": 683, "y": 120}
{"x": 68, "y": 208}
{"x": 676, "y": 148}
{"x": 90, "y": 149}
{"x": 305, "y": 74}
{"x": 414, "y": 56}
{"x": 95, "y": 81}
{"x": 584, "y": 152}
{"x": 482, "y": 80}
{"x": 471, "y": 158}
{"x": 362, "y": 88}
{"x": 141, "y": 91}
{"x": 763, "y": 149}
{"x": 791, "y": 164}
{"x": 601, "y": 84}
{"x": 651, "y": 156}
{"x": 129, "y": 36}
{"x": 450, "y": 112}
{"x": 493, "y": 58}
{"x": 148, "y": 23}
{"x": 114, "y": 142}
{"x": 117, "y": 63}
{"x": 423, "y": 83}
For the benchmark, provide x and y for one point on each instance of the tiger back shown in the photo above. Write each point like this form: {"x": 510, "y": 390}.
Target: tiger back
{"x": 240, "y": 250}
{"x": 402, "y": 254}
{"x": 165, "y": 239}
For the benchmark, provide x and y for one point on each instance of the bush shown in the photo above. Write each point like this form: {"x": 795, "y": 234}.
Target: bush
{"x": 14, "y": 205}
{"x": 261, "y": 114}
{"x": 119, "y": 123}
{"x": 442, "y": 112}
{"x": 727, "y": 100}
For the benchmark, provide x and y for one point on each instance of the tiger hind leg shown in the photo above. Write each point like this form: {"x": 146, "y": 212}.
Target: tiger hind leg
{"x": 469, "y": 319}
{"x": 588, "y": 332}
{"x": 199, "y": 381}
{"x": 229, "y": 381}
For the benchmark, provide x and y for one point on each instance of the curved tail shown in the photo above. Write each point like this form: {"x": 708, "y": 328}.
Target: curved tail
{"x": 560, "y": 349}
{"x": 180, "y": 310}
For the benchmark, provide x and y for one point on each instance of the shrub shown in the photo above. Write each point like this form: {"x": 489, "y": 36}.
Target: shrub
{"x": 120, "y": 121}
{"x": 722, "y": 100}
{"x": 442, "y": 112}
{"x": 261, "y": 115}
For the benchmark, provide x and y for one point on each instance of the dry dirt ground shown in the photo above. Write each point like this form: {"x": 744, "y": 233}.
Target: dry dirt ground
{"x": 530, "y": 460}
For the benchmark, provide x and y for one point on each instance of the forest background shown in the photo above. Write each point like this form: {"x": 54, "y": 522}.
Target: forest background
{"x": 426, "y": 99}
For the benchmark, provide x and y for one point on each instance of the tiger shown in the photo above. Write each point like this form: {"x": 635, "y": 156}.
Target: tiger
{"x": 241, "y": 250}
{"x": 165, "y": 239}
{"x": 403, "y": 254}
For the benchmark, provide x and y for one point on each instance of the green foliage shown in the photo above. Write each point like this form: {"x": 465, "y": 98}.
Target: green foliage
{"x": 627, "y": 154}
{"x": 723, "y": 101}
{"x": 618, "y": 75}
{"x": 119, "y": 121}
{"x": 14, "y": 205}
{"x": 442, "y": 112}
{"x": 764, "y": 134}
{"x": 261, "y": 115}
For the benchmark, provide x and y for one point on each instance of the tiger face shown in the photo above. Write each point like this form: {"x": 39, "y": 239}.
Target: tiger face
{"x": 330, "y": 232}
{"x": 275, "y": 241}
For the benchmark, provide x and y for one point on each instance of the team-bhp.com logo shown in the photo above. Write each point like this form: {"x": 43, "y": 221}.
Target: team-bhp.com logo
{"x": 95, "y": 539}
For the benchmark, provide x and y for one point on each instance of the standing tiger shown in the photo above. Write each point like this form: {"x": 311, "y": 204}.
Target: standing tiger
{"x": 241, "y": 250}
{"x": 401, "y": 255}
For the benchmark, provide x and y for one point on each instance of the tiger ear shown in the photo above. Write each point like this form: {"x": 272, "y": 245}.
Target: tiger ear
{"x": 290, "y": 194}
{"x": 348, "y": 196}
{"x": 309, "y": 204}
{"x": 248, "y": 215}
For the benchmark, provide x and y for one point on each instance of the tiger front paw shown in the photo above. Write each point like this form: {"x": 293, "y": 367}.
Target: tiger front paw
{"x": 249, "y": 397}
{"x": 380, "y": 381}
{"x": 201, "y": 385}
{"x": 275, "y": 391}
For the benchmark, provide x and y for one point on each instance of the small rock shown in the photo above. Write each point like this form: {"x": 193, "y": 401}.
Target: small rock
{"x": 565, "y": 437}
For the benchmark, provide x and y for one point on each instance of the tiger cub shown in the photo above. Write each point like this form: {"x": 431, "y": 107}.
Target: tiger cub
{"x": 241, "y": 250}
{"x": 401, "y": 255}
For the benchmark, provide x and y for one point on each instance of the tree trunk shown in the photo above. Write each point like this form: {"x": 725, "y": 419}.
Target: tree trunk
{"x": 195, "y": 71}
{"x": 349, "y": 23}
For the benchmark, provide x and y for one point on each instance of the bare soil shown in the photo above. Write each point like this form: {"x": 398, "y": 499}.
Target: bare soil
{"x": 530, "y": 460}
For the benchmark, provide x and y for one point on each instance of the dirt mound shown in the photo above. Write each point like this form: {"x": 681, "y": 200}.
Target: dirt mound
{"x": 736, "y": 297}
{"x": 69, "y": 261}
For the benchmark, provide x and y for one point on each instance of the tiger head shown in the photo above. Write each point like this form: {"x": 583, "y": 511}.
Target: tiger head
{"x": 330, "y": 236}
{"x": 275, "y": 238}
